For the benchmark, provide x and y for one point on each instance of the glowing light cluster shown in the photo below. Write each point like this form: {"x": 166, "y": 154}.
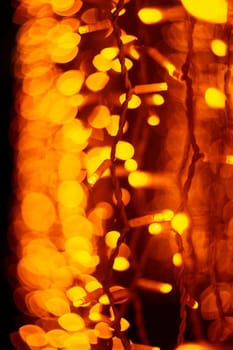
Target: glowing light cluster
{"x": 58, "y": 117}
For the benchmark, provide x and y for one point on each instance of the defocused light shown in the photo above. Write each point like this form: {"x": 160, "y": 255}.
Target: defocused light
{"x": 180, "y": 222}
{"x": 153, "y": 120}
{"x": 215, "y": 98}
{"x": 71, "y": 322}
{"x": 110, "y": 52}
{"x": 70, "y": 193}
{"x": 111, "y": 239}
{"x": 138, "y": 179}
{"x": 124, "y": 150}
{"x": 177, "y": 259}
{"x": 113, "y": 126}
{"x": 150, "y": 15}
{"x": 155, "y": 228}
{"x": 116, "y": 65}
{"x": 38, "y": 211}
{"x": 134, "y": 102}
{"x": 213, "y": 11}
{"x": 157, "y": 99}
{"x": 102, "y": 63}
{"x": 154, "y": 286}
{"x": 131, "y": 165}
{"x": 121, "y": 264}
{"x": 99, "y": 117}
{"x": 70, "y": 82}
{"x": 103, "y": 330}
{"x": 125, "y": 196}
{"x": 219, "y": 47}
{"x": 97, "y": 81}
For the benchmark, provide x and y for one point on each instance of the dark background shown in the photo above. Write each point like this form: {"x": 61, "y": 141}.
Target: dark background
{"x": 8, "y": 312}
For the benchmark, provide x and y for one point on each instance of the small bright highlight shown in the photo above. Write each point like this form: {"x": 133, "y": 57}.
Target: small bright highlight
{"x": 180, "y": 222}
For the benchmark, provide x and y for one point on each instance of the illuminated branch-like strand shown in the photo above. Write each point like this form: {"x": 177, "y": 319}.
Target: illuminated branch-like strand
{"x": 188, "y": 182}
{"x": 183, "y": 291}
{"x": 116, "y": 184}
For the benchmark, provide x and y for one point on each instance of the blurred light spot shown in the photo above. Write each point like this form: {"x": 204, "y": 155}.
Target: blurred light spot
{"x": 215, "y": 98}
{"x": 219, "y": 47}
{"x": 116, "y": 64}
{"x": 121, "y": 264}
{"x": 111, "y": 239}
{"x": 70, "y": 193}
{"x": 180, "y": 222}
{"x": 177, "y": 259}
{"x": 109, "y": 52}
{"x": 99, "y": 117}
{"x": 70, "y": 82}
{"x": 153, "y": 120}
{"x": 97, "y": 81}
{"x": 150, "y": 15}
{"x": 102, "y": 63}
{"x": 124, "y": 150}
{"x": 38, "y": 211}
{"x": 130, "y": 165}
{"x": 155, "y": 228}
{"x": 71, "y": 322}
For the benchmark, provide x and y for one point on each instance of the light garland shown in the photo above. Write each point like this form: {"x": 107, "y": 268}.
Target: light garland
{"x": 76, "y": 95}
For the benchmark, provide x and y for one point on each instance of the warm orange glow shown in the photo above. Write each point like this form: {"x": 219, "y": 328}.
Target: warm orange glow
{"x": 121, "y": 264}
{"x": 127, "y": 38}
{"x": 103, "y": 330}
{"x": 70, "y": 193}
{"x": 155, "y": 228}
{"x": 71, "y": 322}
{"x": 180, "y": 222}
{"x": 138, "y": 178}
{"x": 113, "y": 126}
{"x": 69, "y": 166}
{"x": 213, "y": 11}
{"x": 111, "y": 239}
{"x": 38, "y": 211}
{"x": 124, "y": 150}
{"x": 154, "y": 286}
{"x": 76, "y": 294}
{"x": 70, "y": 82}
{"x": 57, "y": 306}
{"x": 215, "y": 98}
{"x": 125, "y": 196}
{"x": 102, "y": 63}
{"x": 157, "y": 99}
{"x": 153, "y": 120}
{"x": 99, "y": 117}
{"x": 110, "y": 52}
{"x": 116, "y": 65}
{"x": 33, "y": 335}
{"x": 131, "y": 165}
{"x": 167, "y": 214}
{"x": 153, "y": 15}
{"x": 97, "y": 81}
{"x": 149, "y": 88}
{"x": 76, "y": 132}
{"x": 150, "y": 15}
{"x": 134, "y": 102}
{"x": 177, "y": 259}
{"x": 192, "y": 346}
{"x": 219, "y": 47}
{"x": 77, "y": 225}
{"x": 66, "y": 9}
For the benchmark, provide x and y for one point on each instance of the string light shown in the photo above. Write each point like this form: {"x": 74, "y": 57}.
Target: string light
{"x": 84, "y": 95}
{"x": 153, "y": 15}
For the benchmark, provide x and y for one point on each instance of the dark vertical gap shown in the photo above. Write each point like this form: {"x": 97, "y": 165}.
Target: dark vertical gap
{"x": 7, "y": 44}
